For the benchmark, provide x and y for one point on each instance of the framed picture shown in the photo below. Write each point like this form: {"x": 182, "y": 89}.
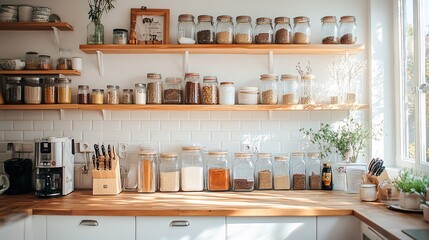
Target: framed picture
{"x": 149, "y": 26}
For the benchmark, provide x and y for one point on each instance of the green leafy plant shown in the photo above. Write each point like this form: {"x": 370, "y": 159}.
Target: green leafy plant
{"x": 98, "y": 7}
{"x": 410, "y": 182}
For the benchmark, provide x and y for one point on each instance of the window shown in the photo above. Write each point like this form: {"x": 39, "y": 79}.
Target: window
{"x": 414, "y": 75}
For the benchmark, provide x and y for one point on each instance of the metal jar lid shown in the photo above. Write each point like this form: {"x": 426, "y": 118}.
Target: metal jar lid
{"x": 120, "y": 30}
{"x": 32, "y": 80}
{"x": 112, "y": 87}
{"x": 205, "y": 18}
{"x": 50, "y": 81}
{"x": 224, "y": 18}
{"x": 282, "y": 20}
{"x": 98, "y": 90}
{"x": 64, "y": 80}
{"x": 263, "y": 20}
{"x": 243, "y": 19}
{"x": 83, "y": 87}
{"x": 140, "y": 85}
{"x": 44, "y": 56}
{"x": 186, "y": 17}
{"x": 329, "y": 19}
{"x": 13, "y": 79}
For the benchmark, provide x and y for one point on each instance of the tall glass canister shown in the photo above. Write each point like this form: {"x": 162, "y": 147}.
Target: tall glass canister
{"x": 264, "y": 171}
{"x": 302, "y": 30}
{"x": 64, "y": 90}
{"x": 329, "y": 30}
{"x": 140, "y": 94}
{"x": 83, "y": 95}
{"x": 243, "y": 173}
{"x": 263, "y": 31}
{"x": 186, "y": 29}
{"x": 14, "y": 90}
{"x": 269, "y": 89}
{"x": 288, "y": 90}
{"x": 314, "y": 174}
{"x": 298, "y": 171}
{"x": 205, "y": 30}
{"x": 50, "y": 88}
{"x": 305, "y": 89}
{"x": 169, "y": 172}
{"x": 282, "y": 30}
{"x": 243, "y": 30}
{"x": 347, "y": 31}
{"x": 154, "y": 88}
{"x": 147, "y": 172}
{"x": 192, "y": 88}
{"x": 192, "y": 169}
{"x": 210, "y": 91}
{"x": 224, "y": 30}
{"x": 281, "y": 169}
{"x": 218, "y": 171}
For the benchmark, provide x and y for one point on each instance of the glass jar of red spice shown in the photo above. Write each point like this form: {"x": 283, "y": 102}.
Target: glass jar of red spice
{"x": 218, "y": 171}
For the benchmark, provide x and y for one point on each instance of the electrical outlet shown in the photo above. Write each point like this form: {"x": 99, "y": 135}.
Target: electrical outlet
{"x": 86, "y": 147}
{"x": 253, "y": 147}
{"x": 122, "y": 149}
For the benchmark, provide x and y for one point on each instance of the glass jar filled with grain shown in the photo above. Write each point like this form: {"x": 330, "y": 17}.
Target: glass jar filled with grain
{"x": 298, "y": 167}
{"x": 146, "y": 173}
{"x": 263, "y": 31}
{"x": 305, "y": 89}
{"x": 127, "y": 96}
{"x": 224, "y": 30}
{"x": 169, "y": 172}
{"x": 210, "y": 91}
{"x": 264, "y": 171}
{"x": 243, "y": 179}
{"x": 314, "y": 171}
{"x": 83, "y": 94}
{"x": 32, "y": 90}
{"x": 64, "y": 91}
{"x": 218, "y": 171}
{"x": 302, "y": 30}
{"x": 112, "y": 96}
{"x": 192, "y": 169}
{"x": 205, "y": 30}
{"x": 14, "y": 92}
{"x": 347, "y": 31}
{"x": 243, "y": 30}
{"x": 50, "y": 88}
{"x": 97, "y": 96}
{"x": 154, "y": 88}
{"x": 192, "y": 88}
{"x": 31, "y": 60}
{"x": 140, "y": 93}
{"x": 282, "y": 30}
{"x": 329, "y": 30}
{"x": 45, "y": 62}
{"x": 281, "y": 173}
{"x": 173, "y": 90}
{"x": 288, "y": 90}
{"x": 186, "y": 29}
{"x": 62, "y": 64}
{"x": 269, "y": 89}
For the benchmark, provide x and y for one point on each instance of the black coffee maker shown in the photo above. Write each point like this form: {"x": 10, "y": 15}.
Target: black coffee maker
{"x": 20, "y": 171}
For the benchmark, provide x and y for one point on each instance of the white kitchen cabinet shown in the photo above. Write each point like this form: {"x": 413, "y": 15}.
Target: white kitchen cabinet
{"x": 38, "y": 227}
{"x": 270, "y": 228}
{"x": 338, "y": 228}
{"x": 13, "y": 231}
{"x": 90, "y": 227}
{"x": 180, "y": 228}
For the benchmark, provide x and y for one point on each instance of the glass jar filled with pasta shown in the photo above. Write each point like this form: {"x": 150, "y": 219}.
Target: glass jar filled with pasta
{"x": 64, "y": 91}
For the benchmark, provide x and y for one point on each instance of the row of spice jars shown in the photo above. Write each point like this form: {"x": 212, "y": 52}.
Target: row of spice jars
{"x": 34, "y": 61}
{"x": 35, "y": 90}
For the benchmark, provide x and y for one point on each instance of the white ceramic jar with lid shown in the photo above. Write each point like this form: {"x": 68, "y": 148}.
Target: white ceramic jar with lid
{"x": 368, "y": 192}
{"x": 227, "y": 93}
{"x": 248, "y": 96}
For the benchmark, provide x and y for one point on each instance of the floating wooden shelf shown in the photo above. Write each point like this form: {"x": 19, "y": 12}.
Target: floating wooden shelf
{"x": 38, "y": 106}
{"x": 35, "y": 26}
{"x": 317, "y": 49}
{"x": 40, "y": 72}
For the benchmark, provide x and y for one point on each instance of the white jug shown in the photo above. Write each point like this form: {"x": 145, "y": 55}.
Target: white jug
{"x": 4, "y": 183}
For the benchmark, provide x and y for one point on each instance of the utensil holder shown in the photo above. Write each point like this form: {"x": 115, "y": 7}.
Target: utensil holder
{"x": 378, "y": 179}
{"x": 106, "y": 182}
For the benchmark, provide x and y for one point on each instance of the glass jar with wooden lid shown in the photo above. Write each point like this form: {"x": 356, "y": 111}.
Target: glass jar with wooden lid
{"x": 210, "y": 91}
{"x": 186, "y": 29}
{"x": 192, "y": 169}
{"x": 288, "y": 90}
{"x": 218, "y": 171}
{"x": 169, "y": 172}
{"x": 154, "y": 88}
{"x": 192, "y": 88}
{"x": 282, "y": 30}
{"x": 224, "y": 30}
{"x": 347, "y": 30}
{"x": 243, "y": 30}
{"x": 243, "y": 179}
{"x": 173, "y": 90}
{"x": 64, "y": 91}
{"x": 146, "y": 174}
{"x": 281, "y": 172}
{"x": 50, "y": 88}
{"x": 205, "y": 30}
{"x": 329, "y": 30}
{"x": 263, "y": 31}
{"x": 97, "y": 96}
{"x": 302, "y": 30}
{"x": 264, "y": 171}
{"x": 269, "y": 89}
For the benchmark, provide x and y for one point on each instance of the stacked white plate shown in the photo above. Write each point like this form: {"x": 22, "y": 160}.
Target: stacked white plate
{"x": 8, "y": 13}
{"x": 41, "y": 14}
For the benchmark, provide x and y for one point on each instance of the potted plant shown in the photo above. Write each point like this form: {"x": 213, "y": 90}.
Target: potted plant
{"x": 95, "y": 30}
{"x": 412, "y": 189}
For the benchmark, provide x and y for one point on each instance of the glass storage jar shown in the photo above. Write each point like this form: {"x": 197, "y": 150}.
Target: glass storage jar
{"x": 169, "y": 172}
{"x": 327, "y": 182}
{"x": 62, "y": 64}
{"x": 329, "y": 30}
{"x": 298, "y": 167}
{"x": 127, "y": 96}
{"x": 112, "y": 96}
{"x": 302, "y": 30}
{"x": 120, "y": 36}
{"x": 192, "y": 88}
{"x": 282, "y": 30}
{"x": 263, "y": 31}
{"x": 97, "y": 96}
{"x": 45, "y": 62}
{"x": 192, "y": 169}
{"x": 347, "y": 31}
{"x": 154, "y": 88}
{"x": 173, "y": 90}
{"x": 314, "y": 174}
{"x": 227, "y": 93}
{"x": 248, "y": 96}
{"x": 224, "y": 30}
{"x": 14, "y": 92}
{"x": 281, "y": 173}
{"x": 243, "y": 179}
{"x": 140, "y": 93}
{"x": 147, "y": 172}
{"x": 218, "y": 171}
{"x": 243, "y": 30}
{"x": 31, "y": 60}
{"x": 210, "y": 91}
{"x": 205, "y": 30}
{"x": 186, "y": 29}
{"x": 264, "y": 171}
{"x": 32, "y": 90}
{"x": 50, "y": 88}
{"x": 64, "y": 91}
{"x": 305, "y": 89}
{"x": 83, "y": 94}
{"x": 288, "y": 91}
{"x": 269, "y": 89}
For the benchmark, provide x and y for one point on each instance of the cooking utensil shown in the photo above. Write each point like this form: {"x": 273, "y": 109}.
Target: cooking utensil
{"x": 380, "y": 171}
{"x": 97, "y": 155}
{"x": 103, "y": 151}
{"x": 110, "y": 156}
{"x": 93, "y": 160}
{"x": 371, "y": 164}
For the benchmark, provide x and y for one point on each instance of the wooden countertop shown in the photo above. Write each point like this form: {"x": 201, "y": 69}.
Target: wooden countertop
{"x": 256, "y": 203}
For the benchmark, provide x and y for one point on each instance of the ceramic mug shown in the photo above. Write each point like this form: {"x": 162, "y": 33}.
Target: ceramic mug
{"x": 4, "y": 183}
{"x": 25, "y": 13}
{"x": 77, "y": 63}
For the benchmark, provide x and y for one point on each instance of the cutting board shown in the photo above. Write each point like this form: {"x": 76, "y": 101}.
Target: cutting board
{"x": 417, "y": 234}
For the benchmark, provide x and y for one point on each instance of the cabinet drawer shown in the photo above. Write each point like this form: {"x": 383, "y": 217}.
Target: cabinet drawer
{"x": 13, "y": 231}
{"x": 87, "y": 227}
{"x": 180, "y": 228}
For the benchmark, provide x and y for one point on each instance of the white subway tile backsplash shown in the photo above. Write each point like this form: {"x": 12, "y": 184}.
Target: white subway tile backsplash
{"x": 97, "y": 125}
{"x": 180, "y": 115}
{"x": 6, "y": 125}
{"x": 14, "y": 115}
{"x": 73, "y": 114}
{"x": 159, "y": 115}
{"x": 297, "y": 136}
{"x": 230, "y": 125}
{"x": 160, "y": 136}
{"x": 273, "y": 125}
{"x": 33, "y": 115}
{"x": 231, "y": 147}
{"x": 280, "y": 115}
{"x": 200, "y": 115}
{"x": 200, "y": 136}
{"x": 221, "y": 136}
{"x": 300, "y": 116}
{"x": 77, "y": 135}
{"x": 112, "y": 125}
{"x": 315, "y": 125}
{"x": 51, "y": 115}
{"x": 140, "y": 136}
{"x": 219, "y": 115}
{"x": 170, "y": 125}
{"x": 190, "y": 125}
{"x": 85, "y": 125}
{"x": 2, "y": 113}
{"x": 240, "y": 136}
{"x": 94, "y": 136}
{"x": 31, "y": 135}
{"x": 290, "y": 125}
{"x": 115, "y": 136}
{"x": 280, "y": 136}
{"x": 62, "y": 125}
{"x": 181, "y": 136}
{"x": 339, "y": 115}
{"x": 210, "y": 145}
{"x": 210, "y": 125}
{"x": 250, "y": 125}
{"x": 170, "y": 147}
{"x": 121, "y": 115}
{"x": 150, "y": 125}
{"x": 23, "y": 125}
{"x": 92, "y": 115}
{"x": 290, "y": 146}
{"x": 130, "y": 125}
{"x": 140, "y": 115}
{"x": 240, "y": 115}
{"x": 320, "y": 115}
{"x": 13, "y": 136}
{"x": 45, "y": 125}
{"x": 259, "y": 115}
{"x": 53, "y": 134}
{"x": 270, "y": 147}
{"x": 1, "y": 135}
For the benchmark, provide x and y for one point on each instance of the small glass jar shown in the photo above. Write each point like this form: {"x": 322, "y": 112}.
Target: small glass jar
{"x": 14, "y": 92}
{"x": 120, "y": 36}
{"x": 281, "y": 173}
{"x": 154, "y": 88}
{"x": 173, "y": 90}
{"x": 243, "y": 179}
{"x": 288, "y": 91}
{"x": 50, "y": 88}
{"x": 45, "y": 62}
{"x": 226, "y": 93}
{"x": 140, "y": 93}
{"x": 97, "y": 96}
{"x": 314, "y": 174}
{"x": 224, "y": 30}
{"x": 192, "y": 169}
{"x": 298, "y": 168}
{"x": 192, "y": 88}
{"x": 302, "y": 30}
{"x": 32, "y": 90}
{"x": 368, "y": 192}
{"x": 210, "y": 91}
{"x": 264, "y": 171}
{"x": 83, "y": 94}
{"x": 62, "y": 64}
{"x": 263, "y": 31}
{"x": 169, "y": 173}
{"x": 269, "y": 89}
{"x": 282, "y": 30}
{"x": 205, "y": 30}
{"x": 146, "y": 174}
{"x": 64, "y": 91}
{"x": 31, "y": 61}
{"x": 243, "y": 30}
{"x": 347, "y": 30}
{"x": 248, "y": 96}
{"x": 327, "y": 181}
{"x": 305, "y": 89}
{"x": 112, "y": 96}
{"x": 186, "y": 29}
{"x": 329, "y": 30}
{"x": 218, "y": 171}
{"x": 127, "y": 96}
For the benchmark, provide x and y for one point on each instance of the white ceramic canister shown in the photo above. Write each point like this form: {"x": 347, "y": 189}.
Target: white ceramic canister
{"x": 227, "y": 93}
{"x": 368, "y": 192}
{"x": 248, "y": 96}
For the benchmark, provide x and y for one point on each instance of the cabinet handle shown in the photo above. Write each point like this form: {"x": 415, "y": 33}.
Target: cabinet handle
{"x": 89, "y": 223}
{"x": 179, "y": 223}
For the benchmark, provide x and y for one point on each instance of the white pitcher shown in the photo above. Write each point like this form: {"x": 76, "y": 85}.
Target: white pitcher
{"x": 4, "y": 183}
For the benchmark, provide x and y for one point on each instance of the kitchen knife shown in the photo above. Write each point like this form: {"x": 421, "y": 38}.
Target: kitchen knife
{"x": 110, "y": 156}
{"x": 97, "y": 151}
{"x": 370, "y": 165}
{"x": 103, "y": 151}
{"x": 380, "y": 171}
{"x": 93, "y": 160}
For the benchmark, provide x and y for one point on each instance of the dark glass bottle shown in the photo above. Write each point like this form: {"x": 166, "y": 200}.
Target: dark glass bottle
{"x": 327, "y": 177}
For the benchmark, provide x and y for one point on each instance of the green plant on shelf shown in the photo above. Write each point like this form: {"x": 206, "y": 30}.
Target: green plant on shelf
{"x": 411, "y": 182}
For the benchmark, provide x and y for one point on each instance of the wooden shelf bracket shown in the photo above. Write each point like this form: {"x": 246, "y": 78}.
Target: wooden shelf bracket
{"x": 271, "y": 62}
{"x": 185, "y": 63}
{"x": 100, "y": 62}
{"x": 62, "y": 114}
{"x": 57, "y": 37}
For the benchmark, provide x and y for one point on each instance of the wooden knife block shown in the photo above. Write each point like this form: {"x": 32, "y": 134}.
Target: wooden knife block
{"x": 376, "y": 179}
{"x": 106, "y": 182}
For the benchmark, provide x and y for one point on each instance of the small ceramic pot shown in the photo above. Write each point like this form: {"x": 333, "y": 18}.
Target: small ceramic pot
{"x": 409, "y": 200}
{"x": 12, "y": 64}
{"x": 426, "y": 212}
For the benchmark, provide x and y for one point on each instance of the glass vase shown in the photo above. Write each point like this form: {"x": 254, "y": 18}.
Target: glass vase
{"x": 95, "y": 32}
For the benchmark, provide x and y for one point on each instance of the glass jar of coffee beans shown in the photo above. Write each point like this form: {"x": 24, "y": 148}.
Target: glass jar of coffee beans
{"x": 205, "y": 30}
{"x": 347, "y": 31}
{"x": 154, "y": 88}
{"x": 192, "y": 88}
{"x": 283, "y": 30}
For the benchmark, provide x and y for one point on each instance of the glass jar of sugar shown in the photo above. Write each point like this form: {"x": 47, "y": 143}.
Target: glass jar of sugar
{"x": 192, "y": 169}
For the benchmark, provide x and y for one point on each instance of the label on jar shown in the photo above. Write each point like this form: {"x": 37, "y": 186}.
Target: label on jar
{"x": 327, "y": 179}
